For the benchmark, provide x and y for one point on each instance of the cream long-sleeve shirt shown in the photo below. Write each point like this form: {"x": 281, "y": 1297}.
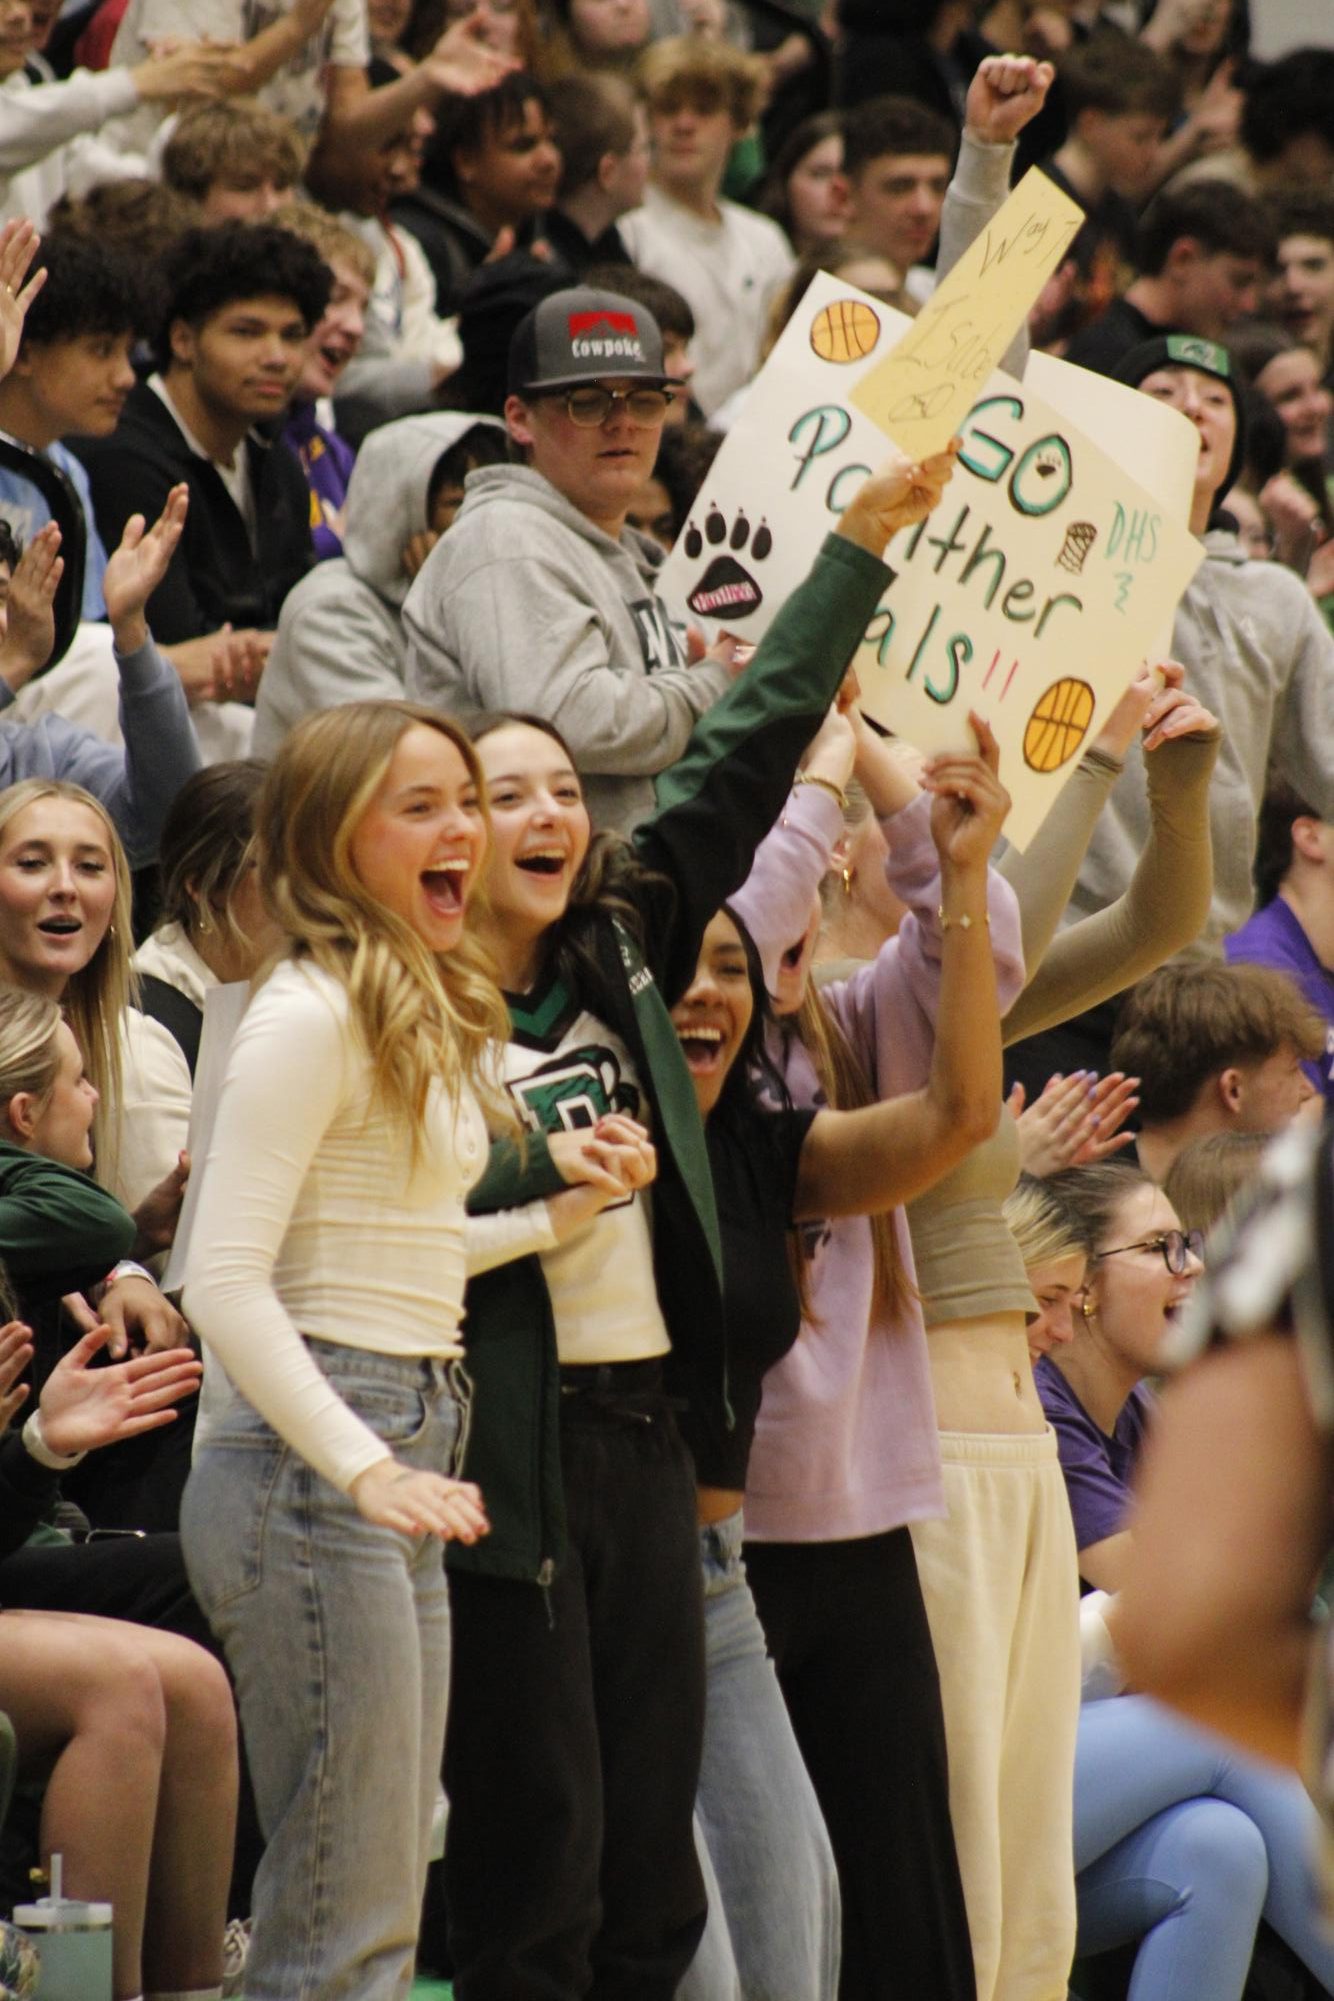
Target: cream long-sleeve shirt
{"x": 312, "y": 1222}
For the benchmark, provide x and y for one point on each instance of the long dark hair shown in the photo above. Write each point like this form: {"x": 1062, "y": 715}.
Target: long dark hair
{"x": 612, "y": 881}
{"x": 754, "y": 1086}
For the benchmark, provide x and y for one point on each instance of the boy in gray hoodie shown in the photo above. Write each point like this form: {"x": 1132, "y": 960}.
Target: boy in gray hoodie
{"x": 541, "y": 598}
{"x": 340, "y": 634}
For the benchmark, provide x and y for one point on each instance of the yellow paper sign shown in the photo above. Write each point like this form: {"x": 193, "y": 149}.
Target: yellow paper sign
{"x": 931, "y": 379}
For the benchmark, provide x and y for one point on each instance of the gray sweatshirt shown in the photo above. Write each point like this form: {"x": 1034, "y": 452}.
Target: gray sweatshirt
{"x": 137, "y": 784}
{"x": 1257, "y": 653}
{"x": 340, "y": 634}
{"x": 526, "y": 605}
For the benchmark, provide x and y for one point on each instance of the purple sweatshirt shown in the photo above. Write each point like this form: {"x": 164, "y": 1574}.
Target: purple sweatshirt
{"x": 327, "y": 461}
{"x": 846, "y": 1442}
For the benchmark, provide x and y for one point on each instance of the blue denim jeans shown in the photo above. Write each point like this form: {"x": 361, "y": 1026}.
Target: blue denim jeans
{"x": 337, "y": 1635}
{"x": 1184, "y": 1842}
{"x": 774, "y": 1921}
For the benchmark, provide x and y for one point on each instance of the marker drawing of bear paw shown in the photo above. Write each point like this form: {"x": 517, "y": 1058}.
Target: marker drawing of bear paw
{"x": 727, "y": 590}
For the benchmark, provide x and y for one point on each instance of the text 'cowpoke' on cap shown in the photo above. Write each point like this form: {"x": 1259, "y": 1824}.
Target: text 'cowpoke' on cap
{"x": 582, "y": 335}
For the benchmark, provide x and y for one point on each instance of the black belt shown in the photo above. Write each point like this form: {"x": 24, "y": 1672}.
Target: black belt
{"x": 610, "y": 1378}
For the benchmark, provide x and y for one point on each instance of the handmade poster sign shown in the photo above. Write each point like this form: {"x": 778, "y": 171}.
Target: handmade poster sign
{"x": 923, "y": 388}
{"x": 1162, "y": 446}
{"x": 1031, "y": 594}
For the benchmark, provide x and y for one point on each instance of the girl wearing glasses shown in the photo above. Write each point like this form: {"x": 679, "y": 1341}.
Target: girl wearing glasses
{"x": 1179, "y": 1842}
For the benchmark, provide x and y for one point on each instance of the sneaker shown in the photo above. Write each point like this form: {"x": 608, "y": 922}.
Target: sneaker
{"x": 235, "y": 1952}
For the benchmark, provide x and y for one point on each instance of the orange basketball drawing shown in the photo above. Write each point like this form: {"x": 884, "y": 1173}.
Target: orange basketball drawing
{"x": 1058, "y": 725}
{"x": 845, "y": 331}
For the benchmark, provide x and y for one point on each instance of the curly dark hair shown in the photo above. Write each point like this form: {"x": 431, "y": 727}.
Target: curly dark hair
{"x": 90, "y": 289}
{"x": 466, "y": 124}
{"x": 208, "y": 269}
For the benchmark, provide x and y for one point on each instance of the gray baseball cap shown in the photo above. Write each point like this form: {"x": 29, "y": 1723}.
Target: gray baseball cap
{"x": 583, "y": 335}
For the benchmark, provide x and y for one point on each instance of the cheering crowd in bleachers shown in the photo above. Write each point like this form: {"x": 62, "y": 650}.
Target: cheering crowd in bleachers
{"x": 588, "y": 1254}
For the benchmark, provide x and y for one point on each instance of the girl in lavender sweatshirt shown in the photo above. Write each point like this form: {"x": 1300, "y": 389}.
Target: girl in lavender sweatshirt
{"x": 845, "y": 1452}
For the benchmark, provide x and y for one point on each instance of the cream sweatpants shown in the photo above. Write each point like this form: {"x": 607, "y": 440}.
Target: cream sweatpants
{"x": 1001, "y": 1587}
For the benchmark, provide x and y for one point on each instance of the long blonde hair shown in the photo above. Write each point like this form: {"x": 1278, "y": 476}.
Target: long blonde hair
{"x": 96, "y": 997}
{"x": 421, "y": 1017}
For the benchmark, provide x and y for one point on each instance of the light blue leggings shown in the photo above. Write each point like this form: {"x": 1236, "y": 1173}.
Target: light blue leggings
{"x": 1187, "y": 1844}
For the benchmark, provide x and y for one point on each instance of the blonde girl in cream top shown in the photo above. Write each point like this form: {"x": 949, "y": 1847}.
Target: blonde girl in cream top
{"x": 329, "y": 1256}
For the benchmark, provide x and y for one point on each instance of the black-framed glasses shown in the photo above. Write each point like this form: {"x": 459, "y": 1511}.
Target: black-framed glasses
{"x": 591, "y": 405}
{"x": 1175, "y": 1245}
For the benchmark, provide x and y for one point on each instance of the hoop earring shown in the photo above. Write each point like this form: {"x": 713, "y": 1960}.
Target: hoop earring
{"x": 846, "y": 875}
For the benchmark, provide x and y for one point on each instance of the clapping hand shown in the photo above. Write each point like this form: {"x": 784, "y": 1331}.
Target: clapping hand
{"x": 19, "y": 244}
{"x": 1074, "y": 1120}
{"x": 15, "y": 1355}
{"x": 83, "y": 1408}
{"x": 30, "y": 621}
{"x": 138, "y": 566}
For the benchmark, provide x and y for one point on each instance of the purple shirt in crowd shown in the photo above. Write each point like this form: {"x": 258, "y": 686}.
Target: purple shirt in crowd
{"x": 327, "y": 461}
{"x": 1097, "y": 1468}
{"x": 1274, "y": 937}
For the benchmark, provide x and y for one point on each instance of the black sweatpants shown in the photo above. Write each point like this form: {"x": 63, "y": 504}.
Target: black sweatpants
{"x": 576, "y": 1721}
{"x": 140, "y": 1578}
{"x": 848, "y": 1633}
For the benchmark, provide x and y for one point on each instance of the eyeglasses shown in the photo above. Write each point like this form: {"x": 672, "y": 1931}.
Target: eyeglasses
{"x": 1175, "y": 1245}
{"x": 590, "y": 407}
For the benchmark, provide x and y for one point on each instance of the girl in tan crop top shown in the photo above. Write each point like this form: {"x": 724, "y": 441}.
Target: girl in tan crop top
{"x": 998, "y": 1573}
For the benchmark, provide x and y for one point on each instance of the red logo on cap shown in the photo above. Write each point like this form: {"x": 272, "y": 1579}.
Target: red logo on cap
{"x": 582, "y": 323}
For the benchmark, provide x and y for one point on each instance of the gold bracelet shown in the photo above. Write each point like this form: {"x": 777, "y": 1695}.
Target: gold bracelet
{"x": 827, "y": 784}
{"x": 964, "y": 923}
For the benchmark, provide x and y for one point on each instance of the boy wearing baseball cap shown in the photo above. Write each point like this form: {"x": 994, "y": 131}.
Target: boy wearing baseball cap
{"x": 541, "y": 598}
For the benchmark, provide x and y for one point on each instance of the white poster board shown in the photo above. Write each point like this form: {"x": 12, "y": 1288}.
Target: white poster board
{"x": 1033, "y": 592}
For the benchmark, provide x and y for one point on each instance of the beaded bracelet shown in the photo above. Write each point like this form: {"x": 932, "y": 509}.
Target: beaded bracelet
{"x": 827, "y": 784}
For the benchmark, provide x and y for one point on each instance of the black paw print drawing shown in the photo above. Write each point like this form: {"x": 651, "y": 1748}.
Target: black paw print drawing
{"x": 726, "y": 590}
{"x": 1048, "y": 462}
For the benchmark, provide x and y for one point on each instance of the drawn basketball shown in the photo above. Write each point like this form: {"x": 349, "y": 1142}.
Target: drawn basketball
{"x": 845, "y": 331}
{"x": 1058, "y": 725}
